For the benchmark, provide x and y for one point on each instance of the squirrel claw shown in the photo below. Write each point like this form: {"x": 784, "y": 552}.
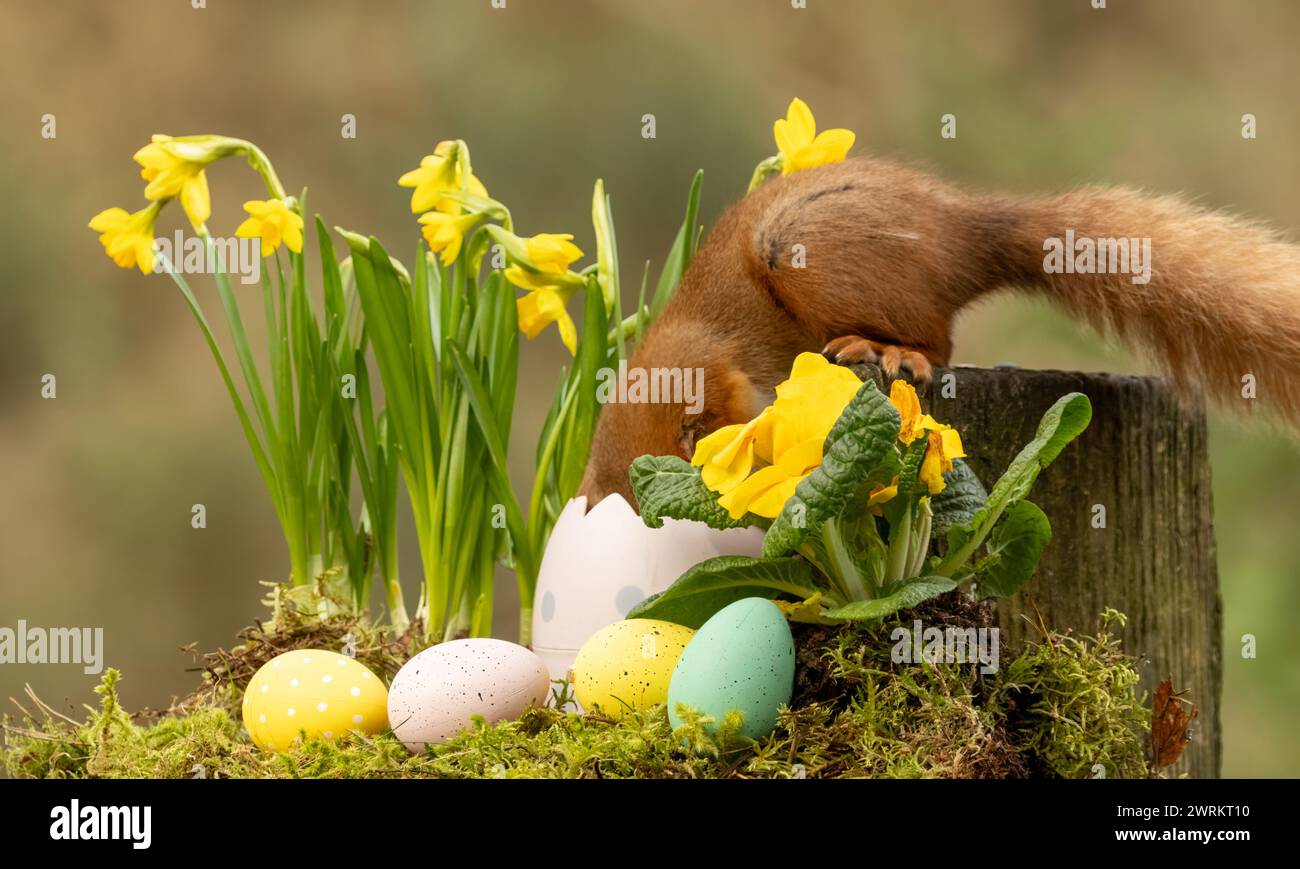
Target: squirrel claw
{"x": 892, "y": 358}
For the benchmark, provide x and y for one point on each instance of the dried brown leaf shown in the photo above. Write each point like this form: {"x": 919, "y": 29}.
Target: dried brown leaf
{"x": 1171, "y": 720}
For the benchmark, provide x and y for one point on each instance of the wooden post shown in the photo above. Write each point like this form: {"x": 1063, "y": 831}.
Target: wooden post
{"x": 1132, "y": 521}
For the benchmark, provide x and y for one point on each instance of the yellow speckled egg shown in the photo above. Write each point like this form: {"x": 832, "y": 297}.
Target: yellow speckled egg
{"x": 309, "y": 690}
{"x": 628, "y": 665}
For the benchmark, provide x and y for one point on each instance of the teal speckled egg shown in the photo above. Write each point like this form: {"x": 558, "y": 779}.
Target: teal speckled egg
{"x": 742, "y": 658}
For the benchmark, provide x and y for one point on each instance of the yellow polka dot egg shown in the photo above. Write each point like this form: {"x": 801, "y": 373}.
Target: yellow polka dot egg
{"x": 323, "y": 694}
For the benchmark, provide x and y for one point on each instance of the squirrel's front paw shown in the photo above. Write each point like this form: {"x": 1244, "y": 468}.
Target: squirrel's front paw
{"x": 854, "y": 349}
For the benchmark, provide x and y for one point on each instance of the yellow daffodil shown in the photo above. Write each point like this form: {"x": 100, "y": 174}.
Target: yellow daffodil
{"x": 441, "y": 172}
{"x": 941, "y": 448}
{"x": 273, "y": 221}
{"x": 788, "y": 436}
{"x": 128, "y": 238}
{"x": 174, "y": 168}
{"x": 549, "y": 282}
{"x": 543, "y": 306}
{"x": 446, "y": 232}
{"x": 801, "y": 146}
{"x": 552, "y": 252}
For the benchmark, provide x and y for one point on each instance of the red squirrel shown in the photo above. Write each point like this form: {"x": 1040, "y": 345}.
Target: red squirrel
{"x": 891, "y": 255}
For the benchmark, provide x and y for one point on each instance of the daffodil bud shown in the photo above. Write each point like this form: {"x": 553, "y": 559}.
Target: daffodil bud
{"x": 202, "y": 149}
{"x": 764, "y": 170}
{"x": 360, "y": 244}
{"x": 606, "y": 252}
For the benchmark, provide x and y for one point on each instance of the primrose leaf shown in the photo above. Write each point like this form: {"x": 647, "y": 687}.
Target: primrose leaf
{"x": 711, "y": 585}
{"x": 909, "y": 595}
{"x": 1064, "y": 421}
{"x": 860, "y": 441}
{"x": 1016, "y": 544}
{"x": 668, "y": 486}
{"x": 960, "y": 499}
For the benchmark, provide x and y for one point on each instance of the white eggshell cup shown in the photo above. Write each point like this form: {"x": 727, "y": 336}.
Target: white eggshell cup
{"x": 600, "y": 564}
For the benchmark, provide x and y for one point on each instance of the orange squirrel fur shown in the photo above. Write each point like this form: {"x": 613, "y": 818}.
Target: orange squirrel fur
{"x": 891, "y": 255}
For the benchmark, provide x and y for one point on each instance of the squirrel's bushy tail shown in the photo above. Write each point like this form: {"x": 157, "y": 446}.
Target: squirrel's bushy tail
{"x": 1221, "y": 307}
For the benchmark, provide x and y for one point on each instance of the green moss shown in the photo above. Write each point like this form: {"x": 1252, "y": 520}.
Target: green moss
{"x": 1056, "y": 709}
{"x": 1072, "y": 705}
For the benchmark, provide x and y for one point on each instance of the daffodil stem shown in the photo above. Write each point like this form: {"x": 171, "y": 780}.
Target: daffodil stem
{"x": 526, "y": 624}
{"x": 262, "y": 164}
{"x": 625, "y": 329}
{"x": 768, "y": 167}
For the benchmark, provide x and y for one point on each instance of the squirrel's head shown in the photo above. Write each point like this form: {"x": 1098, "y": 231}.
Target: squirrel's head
{"x": 673, "y": 392}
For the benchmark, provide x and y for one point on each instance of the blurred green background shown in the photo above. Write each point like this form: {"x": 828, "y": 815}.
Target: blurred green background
{"x": 96, "y": 486}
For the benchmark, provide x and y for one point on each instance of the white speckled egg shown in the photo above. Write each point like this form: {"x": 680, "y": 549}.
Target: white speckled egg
{"x": 600, "y": 564}
{"x": 434, "y": 696}
{"x": 323, "y": 694}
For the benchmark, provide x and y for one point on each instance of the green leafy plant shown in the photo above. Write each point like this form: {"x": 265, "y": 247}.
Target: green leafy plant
{"x": 291, "y": 410}
{"x": 445, "y": 343}
{"x": 445, "y": 335}
{"x": 854, "y": 539}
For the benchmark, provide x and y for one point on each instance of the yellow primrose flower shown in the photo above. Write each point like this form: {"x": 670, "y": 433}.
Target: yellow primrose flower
{"x": 128, "y": 238}
{"x": 440, "y": 172}
{"x": 788, "y": 435}
{"x": 543, "y": 306}
{"x": 765, "y": 491}
{"x": 174, "y": 168}
{"x": 273, "y": 221}
{"x": 727, "y": 455}
{"x": 552, "y": 252}
{"x": 810, "y": 401}
{"x": 943, "y": 443}
{"x": 801, "y": 146}
{"x": 941, "y": 448}
{"x": 902, "y": 395}
{"x": 446, "y": 232}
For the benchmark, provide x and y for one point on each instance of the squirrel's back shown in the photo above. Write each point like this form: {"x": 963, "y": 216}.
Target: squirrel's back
{"x": 889, "y": 255}
{"x": 883, "y": 250}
